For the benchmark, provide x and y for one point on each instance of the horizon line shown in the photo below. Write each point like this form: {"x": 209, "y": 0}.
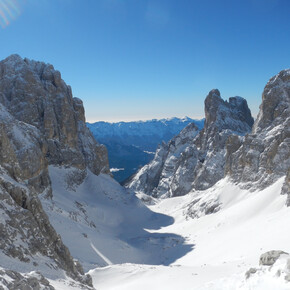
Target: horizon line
{"x": 113, "y": 121}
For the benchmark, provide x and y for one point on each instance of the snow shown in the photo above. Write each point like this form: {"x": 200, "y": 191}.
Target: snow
{"x": 149, "y": 152}
{"x": 116, "y": 169}
{"x": 124, "y": 244}
{"x": 102, "y": 223}
{"x": 224, "y": 245}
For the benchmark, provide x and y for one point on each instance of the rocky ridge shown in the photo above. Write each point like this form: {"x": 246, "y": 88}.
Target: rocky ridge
{"x": 14, "y": 280}
{"x": 195, "y": 160}
{"x": 41, "y": 124}
{"x": 163, "y": 166}
{"x": 264, "y": 155}
{"x": 227, "y": 146}
{"x": 34, "y": 93}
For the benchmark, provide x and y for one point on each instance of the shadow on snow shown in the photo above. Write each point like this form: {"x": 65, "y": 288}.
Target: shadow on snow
{"x": 158, "y": 248}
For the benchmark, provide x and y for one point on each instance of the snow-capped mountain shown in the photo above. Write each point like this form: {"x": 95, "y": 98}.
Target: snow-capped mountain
{"x": 65, "y": 223}
{"x": 162, "y": 127}
{"x": 131, "y": 144}
{"x": 60, "y": 210}
{"x": 255, "y": 160}
{"x": 192, "y": 159}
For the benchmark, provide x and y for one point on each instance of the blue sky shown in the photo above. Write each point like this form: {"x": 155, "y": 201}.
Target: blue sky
{"x": 143, "y": 59}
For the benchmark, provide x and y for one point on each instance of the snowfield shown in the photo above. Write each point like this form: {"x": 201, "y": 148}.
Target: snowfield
{"x": 226, "y": 244}
{"x": 124, "y": 244}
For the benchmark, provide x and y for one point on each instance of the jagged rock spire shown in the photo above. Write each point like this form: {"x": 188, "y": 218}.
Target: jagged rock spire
{"x": 264, "y": 155}
{"x": 196, "y": 162}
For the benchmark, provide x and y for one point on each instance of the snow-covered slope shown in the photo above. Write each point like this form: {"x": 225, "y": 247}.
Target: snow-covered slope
{"x": 103, "y": 224}
{"x": 225, "y": 245}
{"x": 173, "y": 242}
{"x": 131, "y": 144}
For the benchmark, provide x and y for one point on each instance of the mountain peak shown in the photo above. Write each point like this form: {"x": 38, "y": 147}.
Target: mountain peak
{"x": 13, "y": 58}
{"x": 233, "y": 114}
{"x": 35, "y": 94}
{"x": 275, "y": 102}
{"x": 42, "y": 126}
{"x": 193, "y": 159}
{"x": 264, "y": 155}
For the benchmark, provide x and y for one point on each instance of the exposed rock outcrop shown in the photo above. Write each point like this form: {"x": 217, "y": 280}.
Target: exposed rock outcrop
{"x": 286, "y": 187}
{"x": 277, "y": 263}
{"x": 41, "y": 124}
{"x": 227, "y": 146}
{"x": 27, "y": 236}
{"x": 156, "y": 178}
{"x": 35, "y": 94}
{"x": 23, "y": 151}
{"x": 223, "y": 119}
{"x": 269, "y": 258}
{"x": 264, "y": 155}
{"x": 14, "y": 280}
{"x": 195, "y": 160}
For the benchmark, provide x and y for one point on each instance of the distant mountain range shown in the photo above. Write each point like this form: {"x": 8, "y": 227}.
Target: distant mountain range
{"x": 133, "y": 144}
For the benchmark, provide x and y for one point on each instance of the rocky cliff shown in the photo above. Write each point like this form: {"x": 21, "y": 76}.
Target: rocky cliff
{"x": 156, "y": 177}
{"x": 34, "y": 93}
{"x": 41, "y": 124}
{"x": 264, "y": 155}
{"x": 227, "y": 146}
{"x": 195, "y": 160}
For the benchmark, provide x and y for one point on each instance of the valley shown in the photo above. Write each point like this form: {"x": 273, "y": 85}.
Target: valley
{"x": 209, "y": 211}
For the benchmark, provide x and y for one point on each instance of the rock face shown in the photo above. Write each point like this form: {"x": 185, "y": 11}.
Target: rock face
{"x": 23, "y": 151}
{"x": 35, "y": 94}
{"x": 195, "y": 160}
{"x": 269, "y": 258}
{"x": 264, "y": 155}
{"x": 27, "y": 237}
{"x": 286, "y": 187}
{"x": 41, "y": 124}
{"x": 223, "y": 119}
{"x": 156, "y": 178}
{"x": 275, "y": 262}
{"x": 14, "y": 280}
{"x": 255, "y": 160}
